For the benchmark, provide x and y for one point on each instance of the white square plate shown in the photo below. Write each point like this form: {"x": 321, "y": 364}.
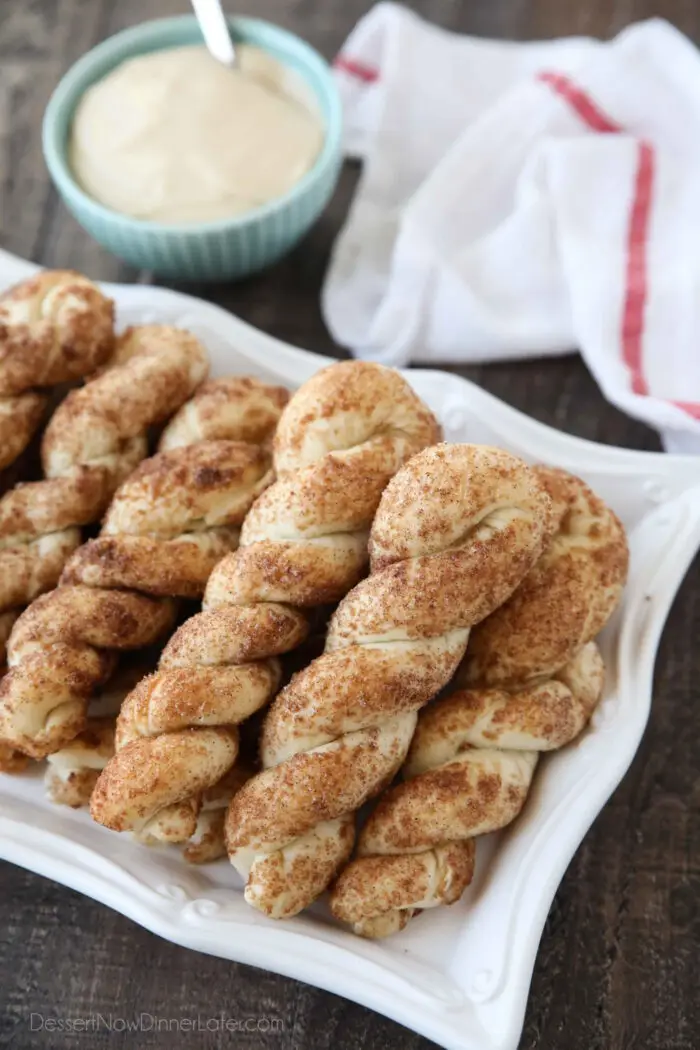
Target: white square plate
{"x": 458, "y": 975}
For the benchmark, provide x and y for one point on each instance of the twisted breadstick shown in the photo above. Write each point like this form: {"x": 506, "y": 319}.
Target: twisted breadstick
{"x": 456, "y": 531}
{"x": 174, "y": 518}
{"x": 207, "y": 842}
{"x": 474, "y": 753}
{"x": 94, "y": 440}
{"x": 565, "y": 601}
{"x": 72, "y": 771}
{"x": 54, "y": 328}
{"x": 233, "y": 407}
{"x": 222, "y": 408}
{"x": 165, "y": 529}
{"x": 303, "y": 544}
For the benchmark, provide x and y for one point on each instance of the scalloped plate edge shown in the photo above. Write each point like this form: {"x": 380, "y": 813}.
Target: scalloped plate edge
{"x": 306, "y": 956}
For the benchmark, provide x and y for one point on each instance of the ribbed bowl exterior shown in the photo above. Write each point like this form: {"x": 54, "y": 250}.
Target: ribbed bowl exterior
{"x": 229, "y": 248}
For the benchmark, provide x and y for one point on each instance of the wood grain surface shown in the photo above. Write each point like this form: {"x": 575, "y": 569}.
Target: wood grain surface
{"x": 617, "y": 967}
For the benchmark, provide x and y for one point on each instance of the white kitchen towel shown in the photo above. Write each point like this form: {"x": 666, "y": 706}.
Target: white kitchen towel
{"x": 521, "y": 200}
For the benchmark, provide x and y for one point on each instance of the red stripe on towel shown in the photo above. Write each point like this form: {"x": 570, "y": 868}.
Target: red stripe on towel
{"x": 356, "y": 69}
{"x": 636, "y": 291}
{"x": 636, "y": 281}
{"x": 582, "y": 103}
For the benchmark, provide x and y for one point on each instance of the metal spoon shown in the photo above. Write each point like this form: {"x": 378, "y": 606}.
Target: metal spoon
{"x": 215, "y": 31}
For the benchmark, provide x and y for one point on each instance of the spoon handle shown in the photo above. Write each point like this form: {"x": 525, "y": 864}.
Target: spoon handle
{"x": 215, "y": 31}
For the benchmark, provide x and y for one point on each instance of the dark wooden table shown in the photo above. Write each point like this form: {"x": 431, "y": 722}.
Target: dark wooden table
{"x": 617, "y": 968}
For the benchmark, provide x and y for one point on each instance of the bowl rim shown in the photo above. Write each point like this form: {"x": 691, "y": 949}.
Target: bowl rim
{"x": 73, "y": 82}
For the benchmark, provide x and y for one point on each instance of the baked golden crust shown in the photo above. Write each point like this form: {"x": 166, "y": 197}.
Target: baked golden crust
{"x": 168, "y": 524}
{"x": 567, "y": 598}
{"x": 54, "y": 328}
{"x": 237, "y": 405}
{"x": 536, "y": 716}
{"x": 536, "y": 678}
{"x": 20, "y": 418}
{"x": 340, "y": 440}
{"x": 73, "y": 771}
{"x": 95, "y": 438}
{"x": 468, "y": 772}
{"x": 207, "y": 842}
{"x": 60, "y": 650}
{"x": 378, "y": 895}
{"x": 173, "y": 519}
{"x": 194, "y": 759}
{"x": 303, "y": 543}
{"x": 456, "y": 530}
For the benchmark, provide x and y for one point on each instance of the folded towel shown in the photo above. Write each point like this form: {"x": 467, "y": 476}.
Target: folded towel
{"x": 522, "y": 200}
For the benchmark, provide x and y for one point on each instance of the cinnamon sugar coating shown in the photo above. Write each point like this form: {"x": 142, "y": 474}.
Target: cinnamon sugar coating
{"x": 94, "y": 439}
{"x": 238, "y": 405}
{"x": 73, "y": 771}
{"x": 207, "y": 842}
{"x": 54, "y": 328}
{"x": 567, "y": 598}
{"x": 456, "y": 531}
{"x": 467, "y": 773}
{"x": 303, "y": 543}
{"x": 168, "y": 524}
{"x": 177, "y": 515}
{"x": 535, "y": 678}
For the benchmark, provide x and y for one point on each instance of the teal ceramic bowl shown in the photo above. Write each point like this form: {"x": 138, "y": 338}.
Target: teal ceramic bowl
{"x": 211, "y": 251}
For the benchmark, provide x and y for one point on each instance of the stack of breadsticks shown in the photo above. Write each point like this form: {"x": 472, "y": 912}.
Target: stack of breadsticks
{"x": 169, "y": 521}
{"x": 450, "y": 563}
{"x": 531, "y": 679}
{"x": 303, "y": 545}
{"x": 168, "y": 524}
{"x": 54, "y": 329}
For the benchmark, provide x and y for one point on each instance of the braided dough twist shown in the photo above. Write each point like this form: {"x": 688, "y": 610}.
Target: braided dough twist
{"x": 208, "y": 842}
{"x": 456, "y": 531}
{"x": 94, "y": 439}
{"x": 473, "y": 756}
{"x": 232, "y": 406}
{"x": 303, "y": 544}
{"x": 223, "y": 407}
{"x": 565, "y": 601}
{"x": 166, "y": 527}
{"x": 72, "y": 771}
{"x": 54, "y": 328}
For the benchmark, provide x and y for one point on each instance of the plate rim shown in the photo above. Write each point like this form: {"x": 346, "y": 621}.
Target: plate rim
{"x": 186, "y": 922}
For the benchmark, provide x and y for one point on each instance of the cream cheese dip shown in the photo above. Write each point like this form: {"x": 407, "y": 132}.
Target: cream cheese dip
{"x": 175, "y": 136}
